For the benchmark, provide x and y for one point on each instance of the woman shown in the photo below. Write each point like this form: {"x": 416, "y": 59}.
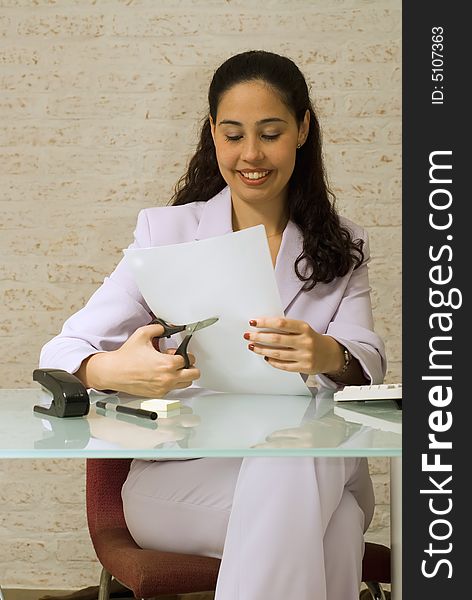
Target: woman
{"x": 285, "y": 528}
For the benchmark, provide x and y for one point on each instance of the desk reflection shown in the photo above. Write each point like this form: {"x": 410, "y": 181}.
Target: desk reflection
{"x": 205, "y": 420}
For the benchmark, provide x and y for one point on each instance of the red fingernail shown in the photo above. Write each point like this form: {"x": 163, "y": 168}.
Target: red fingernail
{"x": 251, "y": 346}
{"x": 246, "y": 336}
{"x": 252, "y": 323}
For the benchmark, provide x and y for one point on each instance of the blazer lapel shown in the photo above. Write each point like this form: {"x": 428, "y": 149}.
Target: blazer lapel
{"x": 216, "y": 218}
{"x": 290, "y": 249}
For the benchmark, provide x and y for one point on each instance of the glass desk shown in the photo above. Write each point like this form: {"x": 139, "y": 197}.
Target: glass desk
{"x": 207, "y": 424}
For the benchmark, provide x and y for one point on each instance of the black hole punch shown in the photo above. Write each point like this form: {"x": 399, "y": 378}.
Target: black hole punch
{"x": 69, "y": 396}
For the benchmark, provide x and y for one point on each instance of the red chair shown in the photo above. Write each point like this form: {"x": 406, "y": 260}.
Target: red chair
{"x": 376, "y": 570}
{"x": 149, "y": 573}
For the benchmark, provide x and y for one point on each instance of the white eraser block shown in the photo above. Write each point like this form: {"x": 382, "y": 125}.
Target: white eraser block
{"x": 160, "y": 405}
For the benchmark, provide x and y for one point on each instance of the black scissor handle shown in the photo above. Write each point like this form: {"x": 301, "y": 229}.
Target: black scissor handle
{"x": 168, "y": 329}
{"x": 182, "y": 351}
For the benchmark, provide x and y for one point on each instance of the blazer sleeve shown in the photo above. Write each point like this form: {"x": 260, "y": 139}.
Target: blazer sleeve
{"x": 110, "y": 316}
{"x": 353, "y": 325}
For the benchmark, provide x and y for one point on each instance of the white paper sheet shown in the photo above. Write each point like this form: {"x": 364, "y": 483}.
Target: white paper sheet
{"x": 230, "y": 277}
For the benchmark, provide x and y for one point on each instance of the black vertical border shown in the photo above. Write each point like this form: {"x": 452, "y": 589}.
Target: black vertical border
{"x": 427, "y": 128}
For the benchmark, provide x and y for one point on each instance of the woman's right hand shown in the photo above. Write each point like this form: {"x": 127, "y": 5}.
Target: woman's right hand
{"x": 138, "y": 368}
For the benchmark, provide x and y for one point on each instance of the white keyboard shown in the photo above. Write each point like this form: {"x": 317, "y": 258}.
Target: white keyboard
{"x": 384, "y": 391}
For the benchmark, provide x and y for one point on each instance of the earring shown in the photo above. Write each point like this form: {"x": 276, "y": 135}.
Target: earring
{"x": 299, "y": 146}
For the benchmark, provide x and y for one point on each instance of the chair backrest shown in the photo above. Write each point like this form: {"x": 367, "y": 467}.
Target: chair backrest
{"x": 104, "y": 480}
{"x": 376, "y": 563}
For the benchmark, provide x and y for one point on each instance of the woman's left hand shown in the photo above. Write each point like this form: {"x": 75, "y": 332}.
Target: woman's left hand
{"x": 292, "y": 345}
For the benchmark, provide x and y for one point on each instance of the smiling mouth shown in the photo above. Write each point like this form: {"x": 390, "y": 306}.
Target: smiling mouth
{"x": 254, "y": 175}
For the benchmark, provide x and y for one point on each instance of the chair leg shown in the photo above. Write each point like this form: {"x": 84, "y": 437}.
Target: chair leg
{"x": 376, "y": 590}
{"x": 105, "y": 583}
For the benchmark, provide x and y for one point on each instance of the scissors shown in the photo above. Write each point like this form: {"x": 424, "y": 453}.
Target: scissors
{"x": 191, "y": 328}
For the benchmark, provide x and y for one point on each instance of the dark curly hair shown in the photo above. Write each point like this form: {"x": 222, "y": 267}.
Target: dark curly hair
{"x": 328, "y": 247}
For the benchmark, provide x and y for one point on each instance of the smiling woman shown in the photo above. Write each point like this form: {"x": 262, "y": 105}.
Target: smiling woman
{"x": 258, "y": 161}
{"x": 262, "y": 138}
{"x": 256, "y": 155}
{"x": 256, "y": 152}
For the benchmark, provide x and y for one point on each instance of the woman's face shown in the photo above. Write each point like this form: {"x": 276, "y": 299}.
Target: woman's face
{"x": 256, "y": 139}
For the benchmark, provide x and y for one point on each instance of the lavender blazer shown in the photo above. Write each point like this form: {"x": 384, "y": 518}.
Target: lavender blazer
{"x": 341, "y": 309}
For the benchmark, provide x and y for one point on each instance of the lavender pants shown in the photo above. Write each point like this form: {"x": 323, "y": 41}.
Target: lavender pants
{"x": 283, "y": 527}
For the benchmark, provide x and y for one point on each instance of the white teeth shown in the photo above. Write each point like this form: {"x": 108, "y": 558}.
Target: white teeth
{"x": 254, "y": 175}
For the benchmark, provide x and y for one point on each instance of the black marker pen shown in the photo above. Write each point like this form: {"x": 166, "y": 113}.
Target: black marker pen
{"x": 128, "y": 410}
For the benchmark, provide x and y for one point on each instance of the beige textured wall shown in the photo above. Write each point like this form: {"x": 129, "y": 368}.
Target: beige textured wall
{"x": 100, "y": 103}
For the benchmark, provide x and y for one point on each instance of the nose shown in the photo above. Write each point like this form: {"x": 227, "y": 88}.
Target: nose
{"x": 251, "y": 150}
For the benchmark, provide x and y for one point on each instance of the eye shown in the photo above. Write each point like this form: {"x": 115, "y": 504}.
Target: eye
{"x": 270, "y": 137}
{"x": 233, "y": 138}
